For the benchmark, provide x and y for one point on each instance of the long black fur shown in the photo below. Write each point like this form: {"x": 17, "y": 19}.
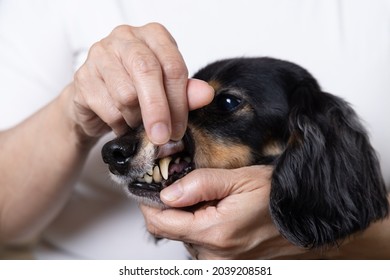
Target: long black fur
{"x": 327, "y": 182}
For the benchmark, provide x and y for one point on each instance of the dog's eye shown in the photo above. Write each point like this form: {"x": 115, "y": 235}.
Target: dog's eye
{"x": 227, "y": 102}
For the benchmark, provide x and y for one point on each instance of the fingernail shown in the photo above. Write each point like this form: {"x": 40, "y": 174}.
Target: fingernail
{"x": 172, "y": 193}
{"x": 159, "y": 133}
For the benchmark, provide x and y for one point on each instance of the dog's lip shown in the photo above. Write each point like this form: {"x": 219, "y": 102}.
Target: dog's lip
{"x": 151, "y": 191}
{"x": 173, "y": 176}
{"x": 157, "y": 187}
{"x": 152, "y": 187}
{"x": 170, "y": 148}
{"x": 175, "y": 149}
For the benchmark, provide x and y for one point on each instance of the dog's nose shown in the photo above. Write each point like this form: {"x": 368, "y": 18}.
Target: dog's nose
{"x": 117, "y": 154}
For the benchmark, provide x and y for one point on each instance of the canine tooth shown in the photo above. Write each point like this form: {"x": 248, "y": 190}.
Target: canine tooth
{"x": 187, "y": 159}
{"x": 164, "y": 164}
{"x": 148, "y": 179}
{"x": 156, "y": 174}
{"x": 177, "y": 161}
{"x": 141, "y": 180}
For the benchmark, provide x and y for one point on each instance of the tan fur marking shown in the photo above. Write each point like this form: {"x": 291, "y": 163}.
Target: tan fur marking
{"x": 214, "y": 153}
{"x": 216, "y": 85}
{"x": 272, "y": 148}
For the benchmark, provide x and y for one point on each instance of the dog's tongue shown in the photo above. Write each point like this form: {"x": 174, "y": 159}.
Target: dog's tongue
{"x": 170, "y": 148}
{"x": 178, "y": 165}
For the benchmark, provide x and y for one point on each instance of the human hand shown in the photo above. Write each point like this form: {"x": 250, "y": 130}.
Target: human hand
{"x": 239, "y": 226}
{"x": 136, "y": 73}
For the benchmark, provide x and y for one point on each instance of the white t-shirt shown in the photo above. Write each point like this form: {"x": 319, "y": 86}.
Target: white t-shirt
{"x": 344, "y": 44}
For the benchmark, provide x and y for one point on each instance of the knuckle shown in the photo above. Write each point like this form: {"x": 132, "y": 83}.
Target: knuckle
{"x": 159, "y": 31}
{"x": 81, "y": 76}
{"x": 175, "y": 69}
{"x": 155, "y": 26}
{"x": 96, "y": 49}
{"x": 223, "y": 242}
{"x": 122, "y": 29}
{"x": 152, "y": 229}
{"x": 125, "y": 96}
{"x": 145, "y": 64}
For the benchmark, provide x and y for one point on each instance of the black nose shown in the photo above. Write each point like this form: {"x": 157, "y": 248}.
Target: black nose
{"x": 117, "y": 154}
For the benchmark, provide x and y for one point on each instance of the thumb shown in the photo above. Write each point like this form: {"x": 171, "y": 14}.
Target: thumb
{"x": 199, "y": 185}
{"x": 214, "y": 184}
{"x": 199, "y": 94}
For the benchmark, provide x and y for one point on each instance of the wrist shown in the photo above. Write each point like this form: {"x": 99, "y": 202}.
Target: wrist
{"x": 73, "y": 127}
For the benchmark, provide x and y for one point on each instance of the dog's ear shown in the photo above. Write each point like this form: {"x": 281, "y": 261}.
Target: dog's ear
{"x": 327, "y": 183}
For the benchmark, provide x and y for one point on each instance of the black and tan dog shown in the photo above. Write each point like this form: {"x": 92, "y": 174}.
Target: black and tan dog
{"x": 326, "y": 182}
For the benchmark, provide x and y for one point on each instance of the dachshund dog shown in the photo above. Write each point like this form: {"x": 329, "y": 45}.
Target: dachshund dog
{"x": 326, "y": 181}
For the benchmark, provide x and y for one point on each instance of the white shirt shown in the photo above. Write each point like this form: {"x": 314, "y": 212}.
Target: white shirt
{"x": 344, "y": 44}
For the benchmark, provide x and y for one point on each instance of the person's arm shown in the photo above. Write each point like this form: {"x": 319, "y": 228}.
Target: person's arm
{"x": 40, "y": 159}
{"x": 131, "y": 73}
{"x": 240, "y": 226}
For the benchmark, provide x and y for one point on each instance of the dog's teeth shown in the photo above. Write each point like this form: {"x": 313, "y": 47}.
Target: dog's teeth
{"x": 156, "y": 174}
{"x": 187, "y": 159}
{"x": 141, "y": 180}
{"x": 177, "y": 161}
{"x": 164, "y": 165}
{"x": 148, "y": 179}
{"x": 150, "y": 171}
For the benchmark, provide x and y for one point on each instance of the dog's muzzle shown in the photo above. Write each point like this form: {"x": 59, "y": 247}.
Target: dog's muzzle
{"x": 146, "y": 169}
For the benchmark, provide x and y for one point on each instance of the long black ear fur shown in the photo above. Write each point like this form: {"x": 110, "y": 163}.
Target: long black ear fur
{"x": 327, "y": 183}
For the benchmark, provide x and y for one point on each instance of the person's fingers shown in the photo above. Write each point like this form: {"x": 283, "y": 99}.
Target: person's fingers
{"x": 239, "y": 226}
{"x": 170, "y": 223}
{"x": 199, "y": 94}
{"x": 213, "y": 184}
{"x": 175, "y": 224}
{"x": 159, "y": 75}
{"x": 195, "y": 187}
{"x": 138, "y": 74}
{"x": 145, "y": 72}
{"x": 95, "y": 108}
{"x": 174, "y": 73}
{"x": 118, "y": 84}
{"x": 202, "y": 225}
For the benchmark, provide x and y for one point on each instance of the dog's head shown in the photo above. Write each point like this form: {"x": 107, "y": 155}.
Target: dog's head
{"x": 326, "y": 182}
